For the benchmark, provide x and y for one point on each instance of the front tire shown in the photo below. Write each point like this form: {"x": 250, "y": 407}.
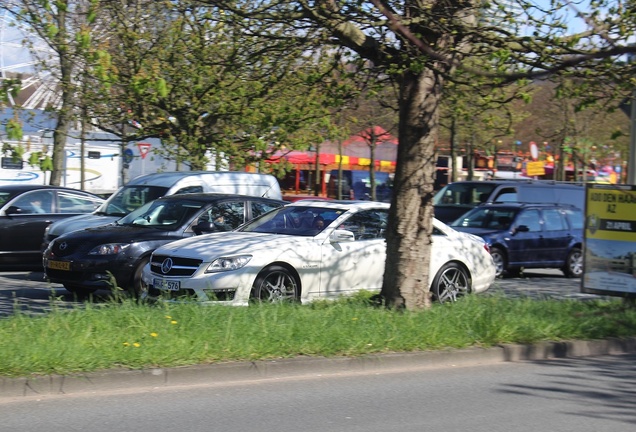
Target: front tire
{"x": 574, "y": 264}
{"x": 138, "y": 289}
{"x": 451, "y": 281}
{"x": 275, "y": 284}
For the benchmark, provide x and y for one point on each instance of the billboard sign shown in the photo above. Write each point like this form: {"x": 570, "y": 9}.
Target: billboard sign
{"x": 610, "y": 240}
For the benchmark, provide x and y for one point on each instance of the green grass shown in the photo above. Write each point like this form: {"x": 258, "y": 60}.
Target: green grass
{"x": 136, "y": 336}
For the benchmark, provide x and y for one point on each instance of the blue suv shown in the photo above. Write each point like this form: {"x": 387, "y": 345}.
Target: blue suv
{"x": 522, "y": 235}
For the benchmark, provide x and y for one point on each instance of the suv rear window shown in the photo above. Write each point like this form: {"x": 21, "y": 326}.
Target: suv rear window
{"x": 575, "y": 217}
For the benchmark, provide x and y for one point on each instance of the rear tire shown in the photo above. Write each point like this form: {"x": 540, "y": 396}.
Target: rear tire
{"x": 451, "y": 281}
{"x": 574, "y": 263}
{"x": 275, "y": 284}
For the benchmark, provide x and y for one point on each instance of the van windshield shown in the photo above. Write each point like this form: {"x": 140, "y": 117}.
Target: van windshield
{"x": 130, "y": 198}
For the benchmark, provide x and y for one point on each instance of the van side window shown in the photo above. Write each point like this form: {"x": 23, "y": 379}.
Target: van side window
{"x": 507, "y": 195}
{"x": 190, "y": 189}
{"x": 554, "y": 220}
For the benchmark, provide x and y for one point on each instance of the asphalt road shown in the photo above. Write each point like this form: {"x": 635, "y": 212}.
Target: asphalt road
{"x": 31, "y": 294}
{"x": 575, "y": 394}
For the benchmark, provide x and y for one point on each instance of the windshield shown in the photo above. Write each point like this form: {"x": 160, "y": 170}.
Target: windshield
{"x": 6, "y": 196}
{"x": 294, "y": 220}
{"x": 130, "y": 198}
{"x": 464, "y": 193}
{"x": 487, "y": 218}
{"x": 162, "y": 214}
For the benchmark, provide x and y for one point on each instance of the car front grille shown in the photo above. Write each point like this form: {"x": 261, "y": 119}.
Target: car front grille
{"x": 179, "y": 267}
{"x": 189, "y": 294}
{"x": 63, "y": 248}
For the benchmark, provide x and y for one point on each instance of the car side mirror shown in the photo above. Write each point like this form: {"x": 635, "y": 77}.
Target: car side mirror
{"x": 203, "y": 227}
{"x": 520, "y": 228}
{"x": 13, "y": 210}
{"x": 339, "y": 236}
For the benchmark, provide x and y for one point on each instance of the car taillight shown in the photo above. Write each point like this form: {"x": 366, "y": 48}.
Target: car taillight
{"x": 487, "y": 247}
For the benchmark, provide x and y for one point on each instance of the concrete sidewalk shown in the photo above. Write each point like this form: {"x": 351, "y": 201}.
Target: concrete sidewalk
{"x": 148, "y": 379}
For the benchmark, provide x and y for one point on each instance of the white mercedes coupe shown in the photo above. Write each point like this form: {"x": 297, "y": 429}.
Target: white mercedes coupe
{"x": 305, "y": 251}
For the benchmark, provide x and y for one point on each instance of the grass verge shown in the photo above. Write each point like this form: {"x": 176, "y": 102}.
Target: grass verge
{"x": 136, "y": 336}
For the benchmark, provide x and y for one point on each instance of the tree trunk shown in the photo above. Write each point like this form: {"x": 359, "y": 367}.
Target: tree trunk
{"x": 411, "y": 214}
{"x": 65, "y": 114}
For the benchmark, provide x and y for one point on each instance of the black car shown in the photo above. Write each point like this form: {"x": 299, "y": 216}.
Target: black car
{"x": 529, "y": 235}
{"x": 87, "y": 260}
{"x": 26, "y": 211}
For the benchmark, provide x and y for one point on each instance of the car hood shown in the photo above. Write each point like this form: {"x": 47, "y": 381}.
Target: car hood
{"x": 232, "y": 243}
{"x": 79, "y": 222}
{"x": 481, "y": 232}
{"x": 120, "y": 234}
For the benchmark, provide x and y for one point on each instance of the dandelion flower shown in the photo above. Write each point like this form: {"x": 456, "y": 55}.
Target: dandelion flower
{"x": 153, "y": 334}
{"x": 136, "y": 344}
{"x": 173, "y": 322}
{"x": 168, "y": 317}
{"x": 126, "y": 344}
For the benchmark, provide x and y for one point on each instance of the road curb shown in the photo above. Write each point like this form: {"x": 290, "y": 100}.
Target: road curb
{"x": 214, "y": 374}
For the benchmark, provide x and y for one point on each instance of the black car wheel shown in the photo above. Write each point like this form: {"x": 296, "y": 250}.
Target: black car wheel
{"x": 451, "y": 281}
{"x": 275, "y": 284}
{"x": 574, "y": 264}
{"x": 499, "y": 257}
{"x": 138, "y": 289}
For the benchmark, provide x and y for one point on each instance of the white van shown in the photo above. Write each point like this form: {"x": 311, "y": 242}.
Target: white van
{"x": 145, "y": 188}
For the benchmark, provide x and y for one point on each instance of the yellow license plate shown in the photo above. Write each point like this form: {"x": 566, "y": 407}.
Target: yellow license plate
{"x": 59, "y": 265}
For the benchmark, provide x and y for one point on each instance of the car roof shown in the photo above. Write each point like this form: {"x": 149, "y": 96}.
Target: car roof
{"x": 517, "y": 182}
{"x": 211, "y": 197}
{"x": 525, "y": 205}
{"x": 340, "y": 205}
{"x": 15, "y": 188}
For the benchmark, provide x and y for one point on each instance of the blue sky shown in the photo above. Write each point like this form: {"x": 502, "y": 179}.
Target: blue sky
{"x": 13, "y": 54}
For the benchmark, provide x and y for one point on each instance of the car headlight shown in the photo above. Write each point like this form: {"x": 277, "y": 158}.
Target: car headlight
{"x": 109, "y": 249}
{"x": 228, "y": 263}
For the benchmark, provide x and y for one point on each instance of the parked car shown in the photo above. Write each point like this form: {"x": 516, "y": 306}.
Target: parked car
{"x": 456, "y": 198}
{"x": 286, "y": 255}
{"x": 529, "y": 235}
{"x": 294, "y": 198}
{"x": 146, "y": 188}
{"x": 84, "y": 260}
{"x": 25, "y": 212}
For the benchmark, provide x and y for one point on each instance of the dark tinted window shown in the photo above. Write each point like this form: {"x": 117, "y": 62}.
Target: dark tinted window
{"x": 35, "y": 202}
{"x": 230, "y": 214}
{"x": 74, "y": 203}
{"x": 366, "y": 225}
{"x": 131, "y": 198}
{"x": 530, "y": 218}
{"x": 464, "y": 193}
{"x": 259, "y": 208}
{"x": 508, "y": 194}
{"x": 190, "y": 189}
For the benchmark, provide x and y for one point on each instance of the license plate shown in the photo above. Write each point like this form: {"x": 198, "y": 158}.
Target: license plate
{"x": 166, "y": 285}
{"x": 59, "y": 265}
